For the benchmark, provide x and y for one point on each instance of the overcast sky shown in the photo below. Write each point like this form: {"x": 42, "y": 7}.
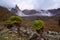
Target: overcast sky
{"x": 31, "y": 4}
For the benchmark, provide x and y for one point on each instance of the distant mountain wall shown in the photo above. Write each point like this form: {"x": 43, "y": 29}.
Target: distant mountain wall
{"x": 56, "y": 12}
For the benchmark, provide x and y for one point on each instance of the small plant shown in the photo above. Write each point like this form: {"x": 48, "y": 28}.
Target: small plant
{"x": 38, "y": 24}
{"x": 15, "y": 19}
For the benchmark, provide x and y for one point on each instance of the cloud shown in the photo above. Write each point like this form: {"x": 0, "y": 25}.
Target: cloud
{"x": 52, "y": 4}
{"x": 32, "y": 4}
{"x": 7, "y": 3}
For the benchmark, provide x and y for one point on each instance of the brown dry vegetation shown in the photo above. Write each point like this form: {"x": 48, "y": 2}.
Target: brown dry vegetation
{"x": 52, "y": 25}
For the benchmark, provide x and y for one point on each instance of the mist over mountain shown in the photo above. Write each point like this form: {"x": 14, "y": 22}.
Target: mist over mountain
{"x": 54, "y": 13}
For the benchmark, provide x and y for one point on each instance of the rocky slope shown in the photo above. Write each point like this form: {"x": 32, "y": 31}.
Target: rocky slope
{"x": 5, "y": 13}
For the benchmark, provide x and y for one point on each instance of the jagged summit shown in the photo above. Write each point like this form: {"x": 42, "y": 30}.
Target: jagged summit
{"x": 15, "y": 9}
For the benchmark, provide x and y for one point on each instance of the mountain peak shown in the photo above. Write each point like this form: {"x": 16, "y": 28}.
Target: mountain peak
{"x": 16, "y": 7}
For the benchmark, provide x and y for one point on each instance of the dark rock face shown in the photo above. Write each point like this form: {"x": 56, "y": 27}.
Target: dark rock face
{"x": 14, "y": 10}
{"x": 30, "y": 12}
{"x": 55, "y": 10}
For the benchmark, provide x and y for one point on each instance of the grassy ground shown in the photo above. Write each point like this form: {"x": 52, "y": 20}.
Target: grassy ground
{"x": 5, "y": 34}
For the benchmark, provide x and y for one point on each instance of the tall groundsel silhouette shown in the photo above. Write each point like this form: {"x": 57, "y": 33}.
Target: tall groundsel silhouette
{"x": 39, "y": 26}
{"x": 16, "y": 21}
